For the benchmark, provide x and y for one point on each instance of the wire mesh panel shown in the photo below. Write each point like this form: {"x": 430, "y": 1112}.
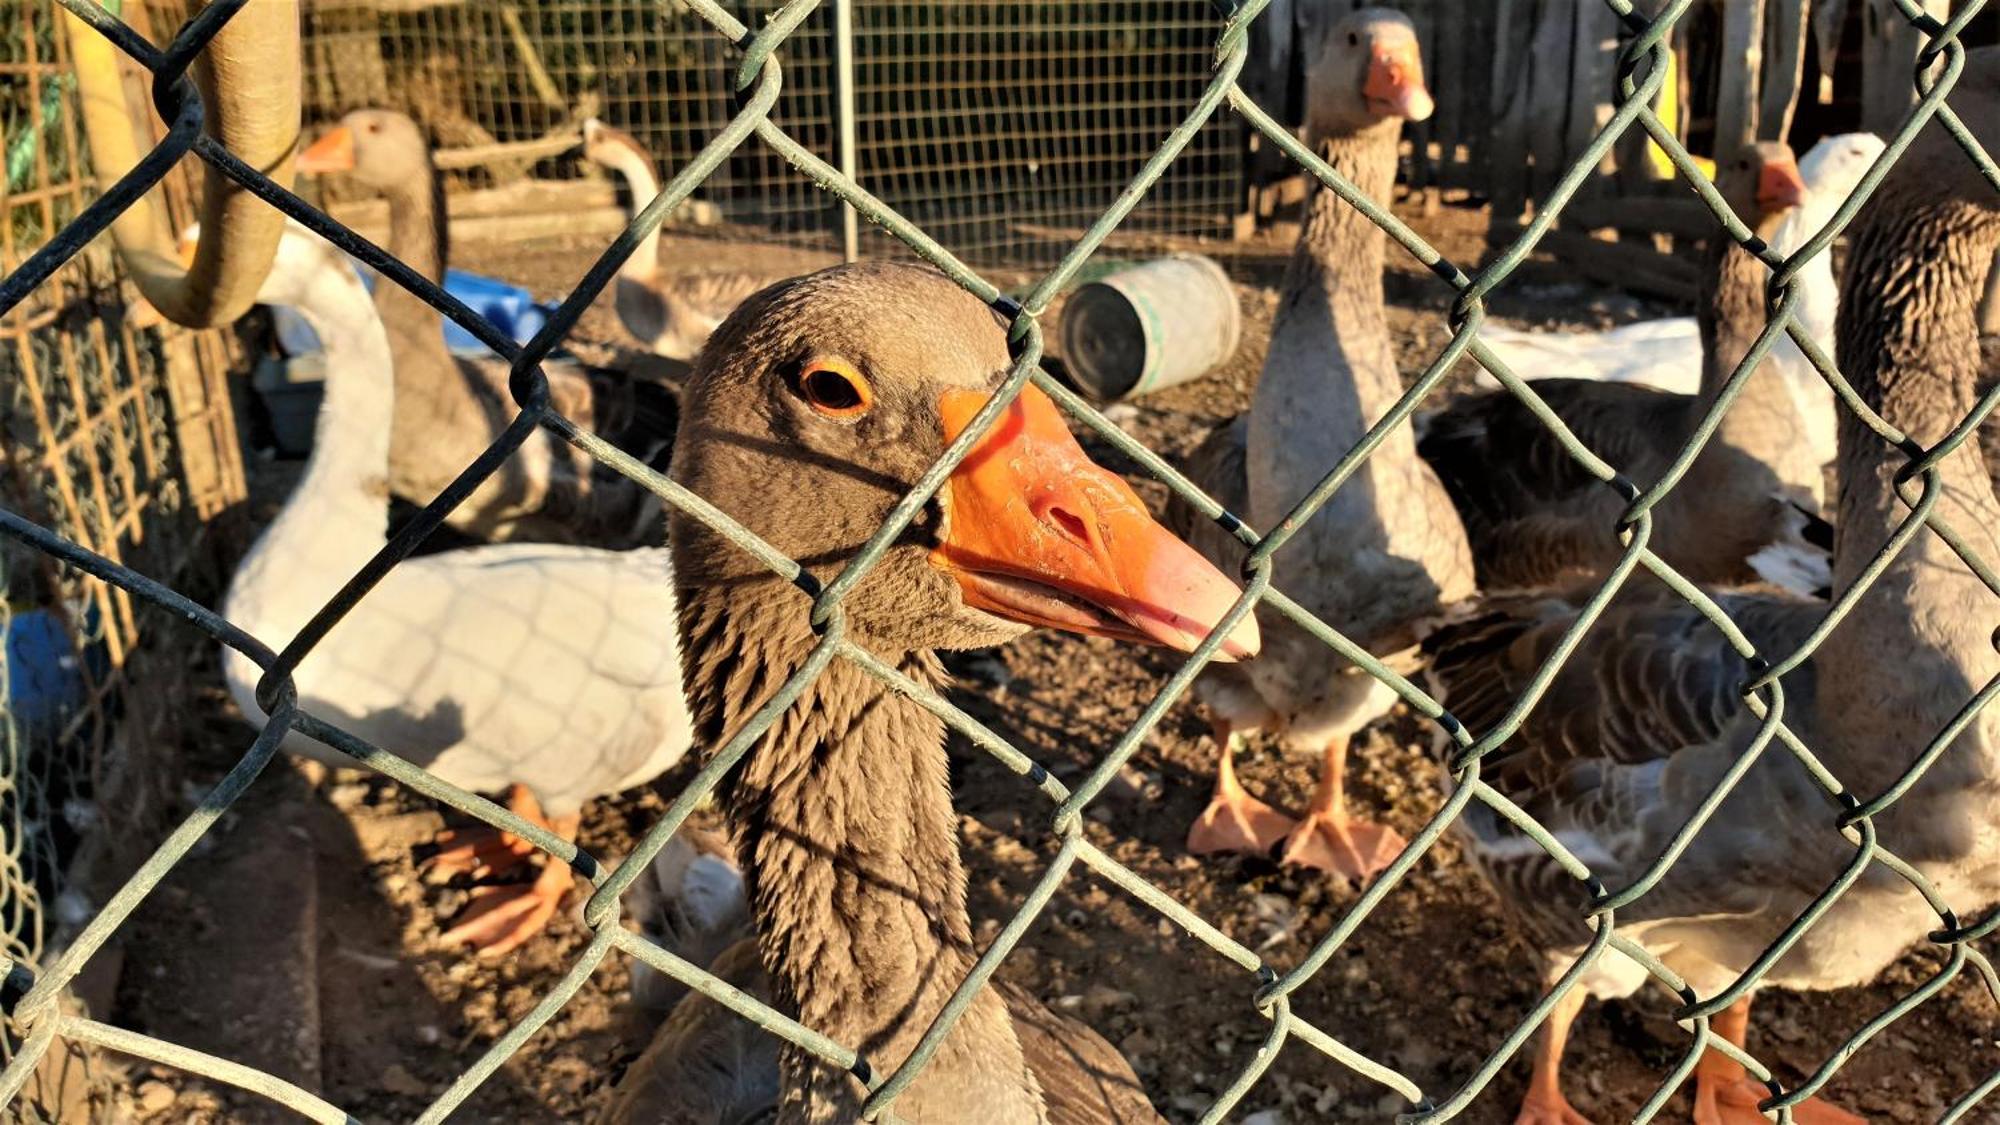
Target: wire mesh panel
{"x": 1001, "y": 126}
{"x": 756, "y": 68}
{"x": 124, "y": 441}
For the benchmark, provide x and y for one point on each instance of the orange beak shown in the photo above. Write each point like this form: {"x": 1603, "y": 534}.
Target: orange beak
{"x": 1036, "y": 532}
{"x": 1395, "y": 85}
{"x": 1779, "y": 187}
{"x": 333, "y": 152}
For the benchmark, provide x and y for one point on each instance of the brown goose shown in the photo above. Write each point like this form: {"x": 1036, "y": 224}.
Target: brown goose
{"x": 671, "y": 315}
{"x": 1385, "y": 552}
{"x": 1644, "y": 720}
{"x": 448, "y": 409}
{"x": 810, "y": 413}
{"x": 1748, "y": 507}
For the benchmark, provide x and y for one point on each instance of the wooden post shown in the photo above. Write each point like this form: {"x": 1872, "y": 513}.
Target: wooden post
{"x": 1548, "y": 93}
{"x": 1593, "y": 71}
{"x": 1506, "y": 168}
{"x": 1737, "y": 72}
{"x": 1889, "y": 47}
{"x": 1784, "y": 67}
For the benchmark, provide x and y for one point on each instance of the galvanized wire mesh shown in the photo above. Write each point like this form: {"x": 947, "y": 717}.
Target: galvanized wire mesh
{"x": 757, "y": 78}
{"x": 124, "y": 440}
{"x": 994, "y": 127}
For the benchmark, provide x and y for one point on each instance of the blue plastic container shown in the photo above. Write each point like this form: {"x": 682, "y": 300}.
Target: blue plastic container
{"x": 511, "y": 308}
{"x": 44, "y": 672}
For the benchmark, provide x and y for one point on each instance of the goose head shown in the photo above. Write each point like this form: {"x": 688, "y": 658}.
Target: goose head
{"x": 1368, "y": 70}
{"x": 1833, "y": 165}
{"x": 608, "y": 146}
{"x": 1761, "y": 183}
{"x": 379, "y": 147}
{"x": 820, "y": 402}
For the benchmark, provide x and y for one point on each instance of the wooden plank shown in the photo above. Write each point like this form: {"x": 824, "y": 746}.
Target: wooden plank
{"x": 520, "y": 198}
{"x": 1446, "y": 75}
{"x": 1738, "y": 68}
{"x": 1472, "y": 128}
{"x": 1507, "y": 168}
{"x": 1423, "y": 134}
{"x": 1784, "y": 67}
{"x": 1548, "y": 93}
{"x": 499, "y": 152}
{"x": 1593, "y": 71}
{"x": 1889, "y": 47}
{"x": 1625, "y": 265}
{"x": 1684, "y": 216}
{"x": 599, "y": 222}
{"x": 1829, "y": 20}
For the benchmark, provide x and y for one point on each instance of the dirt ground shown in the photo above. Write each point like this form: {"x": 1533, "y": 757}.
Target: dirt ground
{"x": 1430, "y": 984}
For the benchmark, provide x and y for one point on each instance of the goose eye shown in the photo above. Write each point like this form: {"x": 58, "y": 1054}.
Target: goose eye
{"x": 834, "y": 389}
{"x": 1353, "y": 39}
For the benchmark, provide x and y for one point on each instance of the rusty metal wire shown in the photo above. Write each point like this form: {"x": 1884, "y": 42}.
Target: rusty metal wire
{"x": 757, "y": 78}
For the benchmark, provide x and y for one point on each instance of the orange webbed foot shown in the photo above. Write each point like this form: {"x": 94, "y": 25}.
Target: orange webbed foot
{"x": 1735, "y": 1103}
{"x": 479, "y": 852}
{"x": 503, "y": 916}
{"x": 1237, "y": 822}
{"x": 1543, "y": 1109}
{"x": 1342, "y": 845}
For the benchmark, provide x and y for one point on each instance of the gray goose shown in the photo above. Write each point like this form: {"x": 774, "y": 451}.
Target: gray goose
{"x": 671, "y": 315}
{"x": 1747, "y": 509}
{"x": 1644, "y": 719}
{"x": 1386, "y": 552}
{"x": 810, "y": 413}
{"x": 449, "y": 409}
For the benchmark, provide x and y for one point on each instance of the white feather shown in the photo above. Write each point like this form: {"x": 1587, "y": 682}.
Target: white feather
{"x": 1666, "y": 353}
{"x": 553, "y": 666}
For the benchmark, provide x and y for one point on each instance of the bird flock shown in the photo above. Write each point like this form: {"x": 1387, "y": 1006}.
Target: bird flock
{"x": 594, "y": 639}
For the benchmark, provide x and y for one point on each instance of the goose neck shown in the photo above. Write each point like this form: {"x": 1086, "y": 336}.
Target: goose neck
{"x": 1920, "y": 641}
{"x": 1337, "y": 243}
{"x": 640, "y": 181}
{"x": 417, "y": 236}
{"x": 849, "y": 839}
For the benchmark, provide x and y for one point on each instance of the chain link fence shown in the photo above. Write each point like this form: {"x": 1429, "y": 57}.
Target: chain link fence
{"x": 757, "y": 74}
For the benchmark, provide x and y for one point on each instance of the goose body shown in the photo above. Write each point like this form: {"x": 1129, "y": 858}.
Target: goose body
{"x": 1748, "y": 508}
{"x": 450, "y": 408}
{"x": 1644, "y": 719}
{"x": 1386, "y": 551}
{"x": 847, "y": 384}
{"x": 674, "y": 315}
{"x": 516, "y": 664}
{"x": 1665, "y": 353}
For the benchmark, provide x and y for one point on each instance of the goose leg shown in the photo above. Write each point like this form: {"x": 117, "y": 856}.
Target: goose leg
{"x": 1331, "y": 840}
{"x": 502, "y": 916}
{"x": 1544, "y": 1103}
{"x": 1725, "y": 1094}
{"x": 1234, "y": 821}
{"x": 486, "y": 851}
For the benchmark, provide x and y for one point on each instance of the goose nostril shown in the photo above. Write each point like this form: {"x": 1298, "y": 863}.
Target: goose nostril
{"x": 1069, "y": 523}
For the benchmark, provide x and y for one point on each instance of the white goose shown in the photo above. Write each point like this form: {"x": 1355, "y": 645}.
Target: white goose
{"x": 672, "y": 315}
{"x": 1666, "y": 352}
{"x": 552, "y": 671}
